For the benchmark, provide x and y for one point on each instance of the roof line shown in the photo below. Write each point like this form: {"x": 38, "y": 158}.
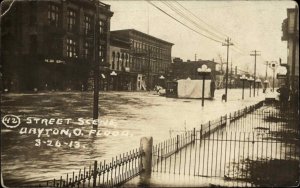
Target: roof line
{"x": 134, "y": 30}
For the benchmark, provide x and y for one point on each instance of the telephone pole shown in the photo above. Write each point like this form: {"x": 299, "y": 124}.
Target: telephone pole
{"x": 228, "y": 43}
{"x": 231, "y": 75}
{"x": 255, "y": 53}
{"x": 148, "y": 71}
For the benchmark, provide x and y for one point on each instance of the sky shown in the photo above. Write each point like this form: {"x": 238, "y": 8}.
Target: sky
{"x": 251, "y": 25}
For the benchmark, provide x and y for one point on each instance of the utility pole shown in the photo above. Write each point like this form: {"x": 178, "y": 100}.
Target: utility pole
{"x": 254, "y": 54}
{"x": 96, "y": 68}
{"x": 195, "y": 57}
{"x": 231, "y": 75}
{"x": 148, "y": 73}
{"x": 235, "y": 70}
{"x": 228, "y": 43}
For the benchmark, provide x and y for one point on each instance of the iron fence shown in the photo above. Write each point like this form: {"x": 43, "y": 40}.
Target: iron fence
{"x": 104, "y": 174}
{"x": 252, "y": 144}
{"x": 230, "y": 146}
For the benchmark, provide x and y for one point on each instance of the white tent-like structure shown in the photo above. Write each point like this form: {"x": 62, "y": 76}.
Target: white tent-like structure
{"x": 193, "y": 89}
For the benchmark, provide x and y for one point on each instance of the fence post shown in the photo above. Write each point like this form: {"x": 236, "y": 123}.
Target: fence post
{"x": 177, "y": 143}
{"x": 146, "y": 144}
{"x": 201, "y": 132}
{"x": 221, "y": 122}
{"x": 95, "y": 174}
{"x": 228, "y": 119}
{"x": 194, "y": 134}
{"x": 209, "y": 127}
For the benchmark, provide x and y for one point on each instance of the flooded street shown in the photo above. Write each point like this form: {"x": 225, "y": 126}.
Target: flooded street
{"x": 125, "y": 118}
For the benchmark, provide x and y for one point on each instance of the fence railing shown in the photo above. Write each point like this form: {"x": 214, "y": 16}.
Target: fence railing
{"x": 104, "y": 174}
{"x": 258, "y": 146}
{"x": 167, "y": 148}
{"x": 124, "y": 167}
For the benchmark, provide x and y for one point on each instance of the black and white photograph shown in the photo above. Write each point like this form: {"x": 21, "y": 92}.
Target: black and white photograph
{"x": 149, "y": 93}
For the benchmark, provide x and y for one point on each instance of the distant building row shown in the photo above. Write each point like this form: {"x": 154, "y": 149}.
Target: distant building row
{"x": 49, "y": 45}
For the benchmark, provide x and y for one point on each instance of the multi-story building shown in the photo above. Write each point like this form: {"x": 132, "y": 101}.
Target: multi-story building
{"x": 139, "y": 65}
{"x": 120, "y": 77}
{"x": 49, "y": 45}
{"x": 290, "y": 33}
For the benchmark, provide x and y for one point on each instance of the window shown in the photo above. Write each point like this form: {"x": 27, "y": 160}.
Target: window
{"x": 101, "y": 52}
{"x": 122, "y": 60}
{"x": 87, "y": 50}
{"x": 126, "y": 60}
{"x": 118, "y": 61}
{"x": 53, "y": 14}
{"x": 102, "y": 26}
{"x": 87, "y": 24}
{"x": 72, "y": 47}
{"x": 71, "y": 20}
{"x": 113, "y": 60}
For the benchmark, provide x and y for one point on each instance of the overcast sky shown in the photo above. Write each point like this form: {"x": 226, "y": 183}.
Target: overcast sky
{"x": 251, "y": 25}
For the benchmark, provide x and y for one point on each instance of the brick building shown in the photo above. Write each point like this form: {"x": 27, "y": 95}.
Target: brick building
{"x": 49, "y": 45}
{"x": 142, "y": 63}
{"x": 120, "y": 76}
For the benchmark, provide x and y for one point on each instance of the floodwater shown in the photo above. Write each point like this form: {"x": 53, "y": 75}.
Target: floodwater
{"x": 125, "y": 118}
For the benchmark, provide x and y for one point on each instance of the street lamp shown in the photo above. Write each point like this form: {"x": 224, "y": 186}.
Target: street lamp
{"x": 258, "y": 81}
{"x": 250, "y": 80}
{"x": 266, "y": 82}
{"x": 243, "y": 78}
{"x": 273, "y": 65}
{"x": 162, "y": 80}
{"x": 203, "y": 71}
{"x": 113, "y": 74}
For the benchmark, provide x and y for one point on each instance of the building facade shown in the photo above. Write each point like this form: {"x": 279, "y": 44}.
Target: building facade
{"x": 120, "y": 77}
{"x": 139, "y": 65}
{"x": 290, "y": 33}
{"x": 49, "y": 45}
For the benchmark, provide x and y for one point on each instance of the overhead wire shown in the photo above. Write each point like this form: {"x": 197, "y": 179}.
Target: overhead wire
{"x": 206, "y": 36}
{"x": 214, "y": 32}
{"x": 186, "y": 17}
{"x": 201, "y": 19}
{"x": 235, "y": 47}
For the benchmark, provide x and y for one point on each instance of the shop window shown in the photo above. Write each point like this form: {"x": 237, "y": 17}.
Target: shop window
{"x": 72, "y": 48}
